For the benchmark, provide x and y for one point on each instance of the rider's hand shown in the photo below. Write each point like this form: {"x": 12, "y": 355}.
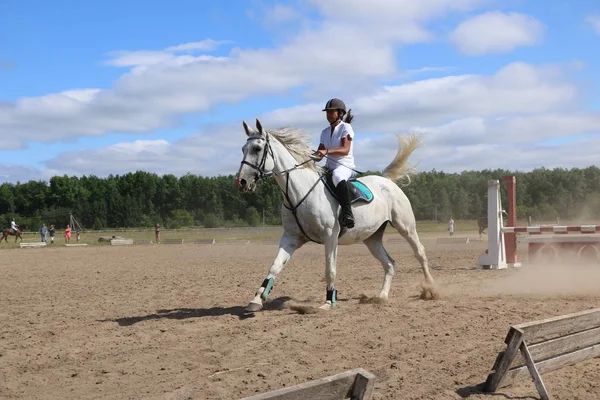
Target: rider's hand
{"x": 319, "y": 154}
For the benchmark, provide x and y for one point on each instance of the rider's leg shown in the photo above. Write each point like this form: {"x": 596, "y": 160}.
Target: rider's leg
{"x": 340, "y": 178}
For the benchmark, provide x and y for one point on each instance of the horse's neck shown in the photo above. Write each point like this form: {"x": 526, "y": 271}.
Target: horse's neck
{"x": 301, "y": 180}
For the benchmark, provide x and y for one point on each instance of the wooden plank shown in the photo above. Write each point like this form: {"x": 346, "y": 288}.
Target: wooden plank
{"x": 531, "y": 367}
{"x": 513, "y": 341}
{"x": 76, "y": 245}
{"x": 31, "y": 245}
{"x": 335, "y": 387}
{"x": 143, "y": 242}
{"x": 364, "y": 385}
{"x": 552, "y": 364}
{"x": 121, "y": 242}
{"x": 559, "y": 326}
{"x": 564, "y": 344}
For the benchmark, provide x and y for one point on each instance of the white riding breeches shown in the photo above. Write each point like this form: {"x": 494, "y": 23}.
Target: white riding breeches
{"x": 341, "y": 173}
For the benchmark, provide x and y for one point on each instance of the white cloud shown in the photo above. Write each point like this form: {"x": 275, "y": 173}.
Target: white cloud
{"x": 496, "y": 32}
{"x": 516, "y": 89}
{"x": 280, "y": 14}
{"x": 594, "y": 20}
{"x": 12, "y": 173}
{"x": 520, "y": 106}
{"x": 204, "y": 45}
{"x": 212, "y": 152}
{"x": 466, "y": 119}
{"x": 391, "y": 20}
{"x": 163, "y": 85}
{"x": 167, "y": 56}
{"x": 376, "y": 11}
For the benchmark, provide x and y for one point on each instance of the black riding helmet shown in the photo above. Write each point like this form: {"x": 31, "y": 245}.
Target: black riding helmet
{"x": 335, "y": 104}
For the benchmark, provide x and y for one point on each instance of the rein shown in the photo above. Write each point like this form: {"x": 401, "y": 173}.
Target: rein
{"x": 262, "y": 175}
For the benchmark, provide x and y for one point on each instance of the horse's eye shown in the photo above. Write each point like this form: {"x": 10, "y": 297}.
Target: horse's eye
{"x": 256, "y": 149}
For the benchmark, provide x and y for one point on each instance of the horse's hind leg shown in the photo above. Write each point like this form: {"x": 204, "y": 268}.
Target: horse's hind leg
{"x": 375, "y": 245}
{"x": 406, "y": 225}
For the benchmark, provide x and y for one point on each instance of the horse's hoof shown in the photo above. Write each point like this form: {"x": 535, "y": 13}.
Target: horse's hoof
{"x": 254, "y": 307}
{"x": 326, "y": 306}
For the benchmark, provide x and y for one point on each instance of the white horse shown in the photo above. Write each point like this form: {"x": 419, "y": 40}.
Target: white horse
{"x": 310, "y": 211}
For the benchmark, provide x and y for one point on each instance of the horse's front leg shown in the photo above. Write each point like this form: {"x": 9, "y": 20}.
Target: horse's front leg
{"x": 331, "y": 248}
{"x": 287, "y": 245}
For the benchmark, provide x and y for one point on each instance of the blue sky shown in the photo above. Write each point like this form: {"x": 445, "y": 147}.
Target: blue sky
{"x": 111, "y": 87}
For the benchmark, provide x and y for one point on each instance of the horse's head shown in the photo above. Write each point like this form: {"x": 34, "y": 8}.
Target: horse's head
{"x": 257, "y": 161}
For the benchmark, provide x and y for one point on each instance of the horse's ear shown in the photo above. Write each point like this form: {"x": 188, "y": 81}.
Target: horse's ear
{"x": 259, "y": 126}
{"x": 247, "y": 128}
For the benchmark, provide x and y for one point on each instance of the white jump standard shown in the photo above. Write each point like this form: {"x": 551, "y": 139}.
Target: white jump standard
{"x": 502, "y": 243}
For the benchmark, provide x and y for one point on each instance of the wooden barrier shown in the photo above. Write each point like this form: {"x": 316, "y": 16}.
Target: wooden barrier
{"x": 173, "y": 241}
{"x": 144, "y": 242}
{"x": 452, "y": 240}
{"x": 355, "y": 384}
{"x": 121, "y": 242}
{"x": 32, "y": 245}
{"x": 75, "y": 244}
{"x": 205, "y": 241}
{"x": 542, "y": 346}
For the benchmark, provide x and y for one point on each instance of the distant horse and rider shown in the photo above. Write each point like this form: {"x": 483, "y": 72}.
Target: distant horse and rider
{"x": 14, "y": 230}
{"x": 482, "y": 222}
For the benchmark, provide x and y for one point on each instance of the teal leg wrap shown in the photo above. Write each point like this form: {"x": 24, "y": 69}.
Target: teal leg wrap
{"x": 332, "y": 296}
{"x": 268, "y": 285}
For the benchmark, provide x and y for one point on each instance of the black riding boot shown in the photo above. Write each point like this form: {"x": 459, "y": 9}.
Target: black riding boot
{"x": 346, "y": 216}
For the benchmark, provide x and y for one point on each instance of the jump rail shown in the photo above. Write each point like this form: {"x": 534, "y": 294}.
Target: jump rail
{"x": 502, "y": 240}
{"x": 355, "y": 384}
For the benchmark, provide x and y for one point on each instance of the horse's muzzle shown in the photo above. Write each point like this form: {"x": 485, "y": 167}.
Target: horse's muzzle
{"x": 245, "y": 186}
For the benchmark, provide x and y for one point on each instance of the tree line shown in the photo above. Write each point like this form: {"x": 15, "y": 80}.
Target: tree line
{"x": 142, "y": 199}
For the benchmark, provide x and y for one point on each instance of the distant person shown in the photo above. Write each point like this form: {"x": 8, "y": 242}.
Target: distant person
{"x": 68, "y": 234}
{"x": 52, "y": 233}
{"x": 157, "y": 233}
{"x": 451, "y": 226}
{"x": 78, "y": 234}
{"x": 43, "y": 232}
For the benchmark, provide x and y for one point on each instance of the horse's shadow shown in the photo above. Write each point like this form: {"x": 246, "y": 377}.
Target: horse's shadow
{"x": 279, "y": 303}
{"x": 185, "y": 313}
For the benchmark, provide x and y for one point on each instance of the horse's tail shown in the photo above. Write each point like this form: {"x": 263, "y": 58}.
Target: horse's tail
{"x": 399, "y": 168}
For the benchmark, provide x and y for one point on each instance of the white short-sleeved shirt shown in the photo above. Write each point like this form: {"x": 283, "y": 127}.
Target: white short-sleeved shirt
{"x": 332, "y": 141}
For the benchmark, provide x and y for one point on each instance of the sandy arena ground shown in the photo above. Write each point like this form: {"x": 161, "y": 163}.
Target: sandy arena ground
{"x": 162, "y": 322}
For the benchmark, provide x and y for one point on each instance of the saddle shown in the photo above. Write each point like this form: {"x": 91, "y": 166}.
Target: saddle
{"x": 359, "y": 192}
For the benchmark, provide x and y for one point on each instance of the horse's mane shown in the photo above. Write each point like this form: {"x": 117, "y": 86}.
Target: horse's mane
{"x": 296, "y": 141}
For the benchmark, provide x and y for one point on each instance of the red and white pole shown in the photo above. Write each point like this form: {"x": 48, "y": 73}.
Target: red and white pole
{"x": 510, "y": 238}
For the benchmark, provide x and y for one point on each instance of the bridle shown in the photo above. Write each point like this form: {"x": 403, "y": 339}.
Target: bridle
{"x": 260, "y": 168}
{"x": 262, "y": 174}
